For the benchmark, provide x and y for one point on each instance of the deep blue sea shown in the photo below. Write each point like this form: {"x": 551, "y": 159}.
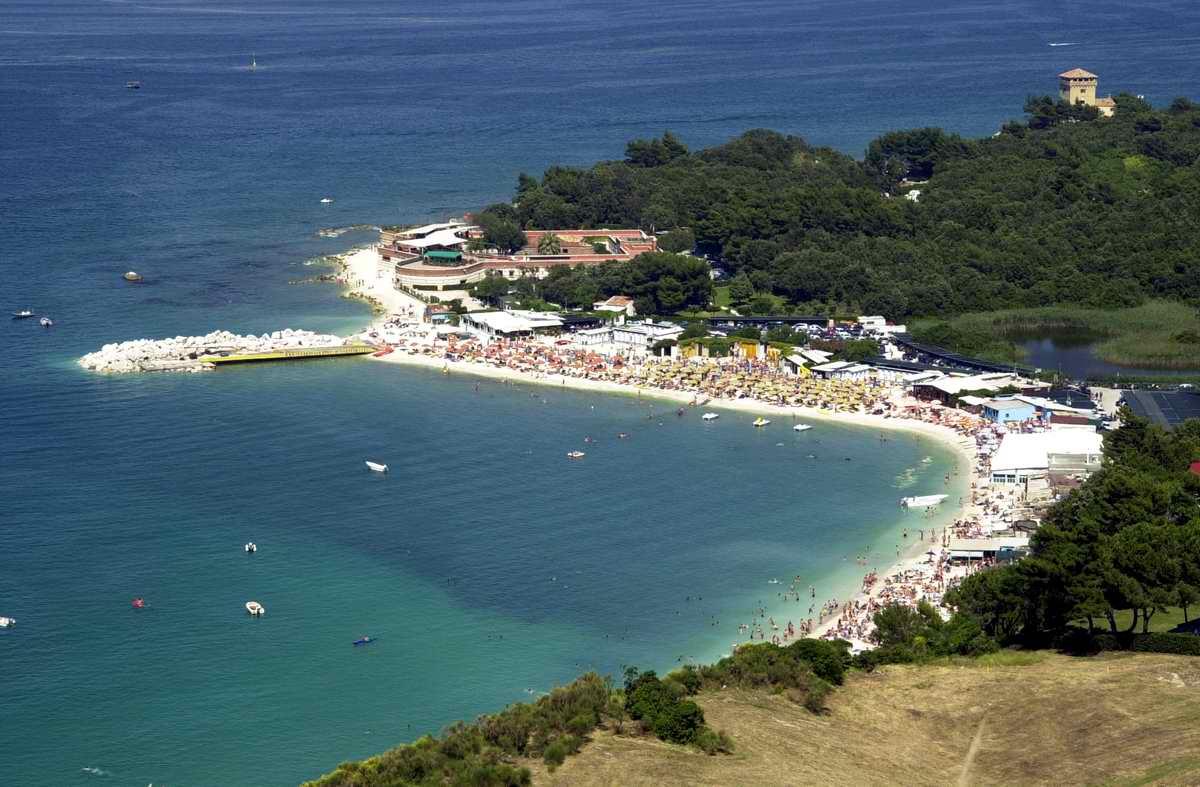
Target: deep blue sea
{"x": 488, "y": 567}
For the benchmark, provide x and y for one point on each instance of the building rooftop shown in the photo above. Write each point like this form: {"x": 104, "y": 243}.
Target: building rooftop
{"x": 991, "y": 381}
{"x": 649, "y": 328}
{"x": 1078, "y": 73}
{"x": 1024, "y": 451}
{"x": 1005, "y": 404}
{"x": 1165, "y": 408}
{"x": 447, "y": 236}
{"x": 514, "y": 321}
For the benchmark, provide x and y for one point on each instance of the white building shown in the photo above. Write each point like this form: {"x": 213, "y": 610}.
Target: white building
{"x": 593, "y": 337}
{"x": 510, "y": 324}
{"x": 843, "y": 370}
{"x": 1022, "y": 456}
{"x": 644, "y": 335}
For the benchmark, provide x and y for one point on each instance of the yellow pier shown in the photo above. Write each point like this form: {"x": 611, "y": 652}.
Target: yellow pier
{"x": 291, "y": 354}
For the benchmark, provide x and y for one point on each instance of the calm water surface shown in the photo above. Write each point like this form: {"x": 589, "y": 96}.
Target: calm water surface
{"x": 487, "y": 565}
{"x": 1073, "y": 353}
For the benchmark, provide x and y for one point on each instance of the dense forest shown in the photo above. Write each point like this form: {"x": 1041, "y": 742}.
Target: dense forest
{"x": 1061, "y": 208}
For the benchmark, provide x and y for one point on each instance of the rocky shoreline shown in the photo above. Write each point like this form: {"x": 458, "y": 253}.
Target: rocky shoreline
{"x": 183, "y": 353}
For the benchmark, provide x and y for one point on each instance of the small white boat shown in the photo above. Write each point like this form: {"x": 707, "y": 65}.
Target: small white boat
{"x": 801, "y": 428}
{"x": 251, "y": 546}
{"x": 255, "y": 609}
{"x": 921, "y": 501}
{"x": 6, "y": 622}
{"x": 21, "y": 315}
{"x": 710, "y": 416}
{"x": 760, "y": 421}
{"x": 376, "y": 466}
{"x": 576, "y": 454}
{"x": 132, "y": 276}
{"x": 326, "y": 200}
{"x": 46, "y": 322}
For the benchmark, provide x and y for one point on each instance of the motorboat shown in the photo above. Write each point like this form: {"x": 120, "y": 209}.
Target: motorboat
{"x": 760, "y": 421}
{"x": 710, "y": 416}
{"x": 922, "y": 501}
{"x": 23, "y": 314}
{"x": 255, "y": 609}
{"x": 133, "y": 84}
{"x": 132, "y": 276}
{"x": 251, "y": 547}
{"x": 138, "y": 603}
{"x": 576, "y": 454}
{"x": 6, "y": 622}
{"x": 363, "y": 641}
{"x": 376, "y": 466}
{"x": 326, "y": 200}
{"x": 801, "y": 428}
{"x": 46, "y": 322}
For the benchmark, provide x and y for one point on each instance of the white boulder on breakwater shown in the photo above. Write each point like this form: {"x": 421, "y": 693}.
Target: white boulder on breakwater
{"x": 182, "y": 353}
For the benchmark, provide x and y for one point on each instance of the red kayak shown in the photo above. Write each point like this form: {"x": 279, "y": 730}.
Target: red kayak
{"x": 139, "y": 603}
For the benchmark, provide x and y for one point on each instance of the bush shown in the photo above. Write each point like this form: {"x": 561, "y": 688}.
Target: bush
{"x": 688, "y": 677}
{"x": 678, "y": 722}
{"x": 1078, "y": 642}
{"x": 827, "y": 659}
{"x": 556, "y": 753}
{"x": 646, "y": 697}
{"x": 711, "y": 742}
{"x": 1166, "y": 642}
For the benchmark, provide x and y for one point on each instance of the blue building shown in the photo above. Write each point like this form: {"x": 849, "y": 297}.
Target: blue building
{"x": 1002, "y": 411}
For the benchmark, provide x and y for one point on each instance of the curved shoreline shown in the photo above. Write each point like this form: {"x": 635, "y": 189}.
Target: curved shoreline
{"x": 360, "y": 271}
{"x": 961, "y": 446}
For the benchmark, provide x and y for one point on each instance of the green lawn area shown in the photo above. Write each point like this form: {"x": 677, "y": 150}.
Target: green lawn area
{"x": 1162, "y": 621}
{"x": 721, "y": 296}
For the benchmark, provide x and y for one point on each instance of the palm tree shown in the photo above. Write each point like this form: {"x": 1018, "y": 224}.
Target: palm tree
{"x": 550, "y": 244}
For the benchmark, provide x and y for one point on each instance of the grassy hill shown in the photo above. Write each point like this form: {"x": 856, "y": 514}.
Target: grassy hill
{"x": 1039, "y": 718}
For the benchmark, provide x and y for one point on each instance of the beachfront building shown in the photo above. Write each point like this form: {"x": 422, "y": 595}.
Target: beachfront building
{"x": 1005, "y": 411}
{"x": 946, "y": 389}
{"x": 843, "y": 370}
{"x": 644, "y": 335}
{"x": 1022, "y": 456}
{"x": 593, "y": 337}
{"x": 509, "y": 324}
{"x": 1079, "y": 87}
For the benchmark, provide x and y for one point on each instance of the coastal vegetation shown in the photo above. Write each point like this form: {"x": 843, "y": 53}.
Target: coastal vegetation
{"x": 1037, "y": 718}
{"x": 1158, "y": 334}
{"x": 1062, "y": 209}
{"x": 1126, "y": 543}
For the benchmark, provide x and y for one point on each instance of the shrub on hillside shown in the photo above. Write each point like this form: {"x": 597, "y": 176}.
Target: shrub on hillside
{"x": 678, "y": 722}
{"x": 710, "y": 741}
{"x": 828, "y": 660}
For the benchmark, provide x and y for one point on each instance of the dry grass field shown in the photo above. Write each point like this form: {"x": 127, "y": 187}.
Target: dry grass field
{"x": 1014, "y": 719}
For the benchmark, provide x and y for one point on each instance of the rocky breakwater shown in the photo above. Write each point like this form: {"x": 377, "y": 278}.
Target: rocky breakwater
{"x": 183, "y": 353}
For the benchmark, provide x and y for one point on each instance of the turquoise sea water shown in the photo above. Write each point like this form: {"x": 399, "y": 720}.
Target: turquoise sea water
{"x": 486, "y": 564}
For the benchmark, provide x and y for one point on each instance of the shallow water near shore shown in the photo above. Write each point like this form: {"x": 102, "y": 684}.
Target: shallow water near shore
{"x": 486, "y": 564}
